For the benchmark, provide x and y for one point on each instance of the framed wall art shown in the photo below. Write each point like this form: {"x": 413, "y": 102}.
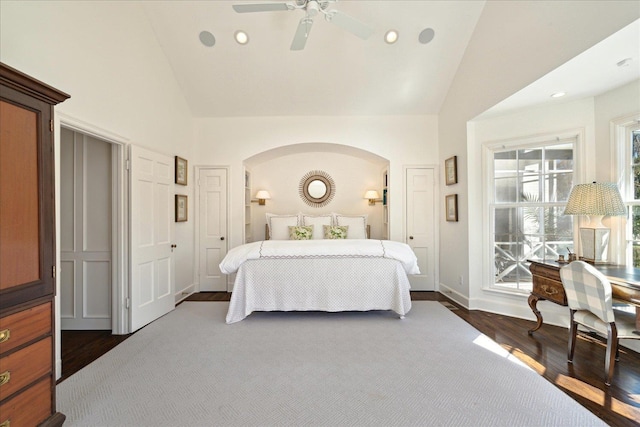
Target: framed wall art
{"x": 181, "y": 171}
{"x": 451, "y": 170}
{"x": 181, "y": 208}
{"x": 451, "y": 207}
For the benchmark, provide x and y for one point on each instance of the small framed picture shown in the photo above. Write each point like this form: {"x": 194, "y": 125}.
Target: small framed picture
{"x": 451, "y": 207}
{"x": 181, "y": 208}
{"x": 181, "y": 171}
{"x": 451, "y": 170}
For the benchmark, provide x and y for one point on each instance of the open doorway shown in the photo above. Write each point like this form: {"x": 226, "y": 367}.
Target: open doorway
{"x": 86, "y": 229}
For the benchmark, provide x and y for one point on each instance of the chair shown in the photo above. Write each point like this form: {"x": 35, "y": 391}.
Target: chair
{"x": 591, "y": 305}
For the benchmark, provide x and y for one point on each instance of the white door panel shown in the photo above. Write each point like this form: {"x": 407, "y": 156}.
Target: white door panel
{"x": 420, "y": 187}
{"x": 213, "y": 228}
{"x": 85, "y": 242}
{"x": 151, "y": 288}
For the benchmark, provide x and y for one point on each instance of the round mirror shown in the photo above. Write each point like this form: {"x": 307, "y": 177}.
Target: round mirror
{"x": 317, "y": 188}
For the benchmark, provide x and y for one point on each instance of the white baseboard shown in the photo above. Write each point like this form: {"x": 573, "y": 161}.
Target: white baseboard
{"x": 454, "y": 295}
{"x": 183, "y": 294}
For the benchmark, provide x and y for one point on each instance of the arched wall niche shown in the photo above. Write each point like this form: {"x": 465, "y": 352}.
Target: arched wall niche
{"x": 352, "y": 170}
{"x": 314, "y": 147}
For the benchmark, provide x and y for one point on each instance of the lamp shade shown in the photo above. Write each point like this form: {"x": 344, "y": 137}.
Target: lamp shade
{"x": 371, "y": 194}
{"x": 263, "y": 194}
{"x": 597, "y": 198}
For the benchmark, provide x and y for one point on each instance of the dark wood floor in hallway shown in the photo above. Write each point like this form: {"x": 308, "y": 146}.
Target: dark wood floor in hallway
{"x": 545, "y": 352}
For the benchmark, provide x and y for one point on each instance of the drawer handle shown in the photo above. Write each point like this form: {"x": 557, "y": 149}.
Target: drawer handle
{"x": 6, "y": 424}
{"x": 5, "y": 377}
{"x": 5, "y": 334}
{"x": 549, "y": 291}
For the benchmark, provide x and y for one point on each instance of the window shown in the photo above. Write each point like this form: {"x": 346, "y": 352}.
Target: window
{"x": 632, "y": 193}
{"x": 530, "y": 185}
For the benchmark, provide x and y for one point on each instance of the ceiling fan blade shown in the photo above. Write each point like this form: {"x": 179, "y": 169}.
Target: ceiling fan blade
{"x": 302, "y": 33}
{"x": 260, "y": 7}
{"x": 350, "y": 24}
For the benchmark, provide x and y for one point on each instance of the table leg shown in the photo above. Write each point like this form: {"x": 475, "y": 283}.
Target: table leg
{"x": 637, "y": 318}
{"x": 533, "y": 301}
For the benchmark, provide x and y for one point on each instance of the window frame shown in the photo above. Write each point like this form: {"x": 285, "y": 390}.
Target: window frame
{"x": 574, "y": 137}
{"x": 621, "y": 130}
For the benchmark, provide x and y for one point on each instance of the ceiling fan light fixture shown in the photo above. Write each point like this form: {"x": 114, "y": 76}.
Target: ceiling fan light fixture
{"x": 241, "y": 37}
{"x": 391, "y": 36}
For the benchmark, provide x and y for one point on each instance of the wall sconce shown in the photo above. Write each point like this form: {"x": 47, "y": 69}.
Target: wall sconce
{"x": 262, "y": 195}
{"x": 373, "y": 197}
{"x": 595, "y": 200}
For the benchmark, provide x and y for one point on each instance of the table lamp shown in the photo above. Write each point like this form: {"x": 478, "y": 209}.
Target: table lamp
{"x": 595, "y": 200}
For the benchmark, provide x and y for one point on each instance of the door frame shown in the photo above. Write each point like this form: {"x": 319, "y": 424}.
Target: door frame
{"x": 196, "y": 210}
{"x": 436, "y": 215}
{"x": 119, "y": 219}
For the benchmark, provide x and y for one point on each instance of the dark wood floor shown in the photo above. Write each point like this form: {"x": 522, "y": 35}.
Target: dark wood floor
{"x": 545, "y": 352}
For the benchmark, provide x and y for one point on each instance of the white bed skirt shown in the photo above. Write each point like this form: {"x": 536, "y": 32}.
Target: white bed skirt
{"x": 319, "y": 284}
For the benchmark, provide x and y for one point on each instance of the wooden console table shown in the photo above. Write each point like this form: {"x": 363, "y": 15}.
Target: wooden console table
{"x": 547, "y": 286}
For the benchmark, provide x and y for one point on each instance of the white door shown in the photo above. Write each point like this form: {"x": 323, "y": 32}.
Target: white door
{"x": 421, "y": 219}
{"x": 151, "y": 204}
{"x": 85, "y": 238}
{"x": 212, "y": 185}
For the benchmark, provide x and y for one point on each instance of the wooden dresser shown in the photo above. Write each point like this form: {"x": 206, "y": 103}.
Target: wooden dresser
{"x": 27, "y": 251}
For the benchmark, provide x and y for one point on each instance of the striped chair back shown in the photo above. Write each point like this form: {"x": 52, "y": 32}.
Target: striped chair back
{"x": 587, "y": 289}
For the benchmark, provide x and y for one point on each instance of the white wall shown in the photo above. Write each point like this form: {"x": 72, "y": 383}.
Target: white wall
{"x": 590, "y": 116}
{"x": 104, "y": 54}
{"x": 574, "y": 117}
{"x": 403, "y": 140}
{"x": 352, "y": 176}
{"x": 503, "y": 57}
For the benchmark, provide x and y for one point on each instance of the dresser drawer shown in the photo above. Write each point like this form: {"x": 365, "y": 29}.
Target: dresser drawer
{"x": 30, "y": 407}
{"x": 24, "y": 366}
{"x": 549, "y": 289}
{"x": 24, "y": 326}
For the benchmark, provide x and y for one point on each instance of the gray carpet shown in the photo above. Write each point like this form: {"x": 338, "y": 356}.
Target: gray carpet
{"x": 189, "y": 368}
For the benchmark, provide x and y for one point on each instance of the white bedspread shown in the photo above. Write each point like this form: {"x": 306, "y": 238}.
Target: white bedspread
{"x": 320, "y": 284}
{"x": 324, "y": 275}
{"x": 365, "y": 248}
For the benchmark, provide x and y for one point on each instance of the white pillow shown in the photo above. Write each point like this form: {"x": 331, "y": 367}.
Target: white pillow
{"x": 279, "y": 225}
{"x": 318, "y": 221}
{"x": 357, "y": 225}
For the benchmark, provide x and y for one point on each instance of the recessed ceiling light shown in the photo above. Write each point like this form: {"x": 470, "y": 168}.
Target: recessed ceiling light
{"x": 391, "y": 36}
{"x": 426, "y": 35}
{"x": 207, "y": 39}
{"x": 558, "y": 94}
{"x": 241, "y": 37}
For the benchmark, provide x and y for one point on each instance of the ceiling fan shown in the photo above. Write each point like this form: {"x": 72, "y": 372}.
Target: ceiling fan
{"x": 311, "y": 8}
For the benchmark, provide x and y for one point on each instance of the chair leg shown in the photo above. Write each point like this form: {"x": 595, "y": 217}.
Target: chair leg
{"x": 573, "y": 330}
{"x": 612, "y": 349}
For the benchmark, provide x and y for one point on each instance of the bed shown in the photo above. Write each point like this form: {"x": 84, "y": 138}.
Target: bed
{"x": 319, "y": 275}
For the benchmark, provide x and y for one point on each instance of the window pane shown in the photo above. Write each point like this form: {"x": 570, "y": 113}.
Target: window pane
{"x": 530, "y": 190}
{"x": 506, "y": 190}
{"x": 559, "y": 158}
{"x": 636, "y": 182}
{"x": 635, "y": 146}
{"x": 530, "y": 161}
{"x": 558, "y": 186}
{"x": 635, "y": 221}
{"x": 536, "y": 182}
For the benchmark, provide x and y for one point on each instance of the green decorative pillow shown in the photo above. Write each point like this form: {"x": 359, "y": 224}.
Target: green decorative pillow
{"x": 300, "y": 232}
{"x": 335, "y": 231}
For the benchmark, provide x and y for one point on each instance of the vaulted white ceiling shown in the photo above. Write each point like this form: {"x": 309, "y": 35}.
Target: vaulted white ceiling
{"x": 340, "y": 74}
{"x": 336, "y": 74}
